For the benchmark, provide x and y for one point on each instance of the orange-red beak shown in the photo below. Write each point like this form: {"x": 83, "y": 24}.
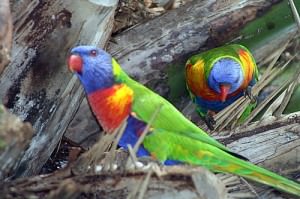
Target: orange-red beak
{"x": 224, "y": 88}
{"x": 75, "y": 63}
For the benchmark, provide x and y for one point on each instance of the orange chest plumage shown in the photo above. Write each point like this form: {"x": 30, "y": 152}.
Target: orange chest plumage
{"x": 111, "y": 105}
{"x": 197, "y": 82}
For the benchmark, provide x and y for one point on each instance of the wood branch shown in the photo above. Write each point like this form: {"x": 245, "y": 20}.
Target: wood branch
{"x": 273, "y": 144}
{"x": 272, "y": 148}
{"x": 174, "y": 182}
{"x": 258, "y": 127}
{"x": 37, "y": 85}
{"x": 5, "y": 34}
{"x": 15, "y": 137}
{"x": 146, "y": 50}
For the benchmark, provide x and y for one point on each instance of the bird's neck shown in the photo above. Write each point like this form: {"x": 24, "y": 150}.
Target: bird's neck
{"x": 111, "y": 105}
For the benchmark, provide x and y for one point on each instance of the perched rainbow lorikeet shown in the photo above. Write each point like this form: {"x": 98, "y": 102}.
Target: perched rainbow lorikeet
{"x": 218, "y": 77}
{"x": 115, "y": 97}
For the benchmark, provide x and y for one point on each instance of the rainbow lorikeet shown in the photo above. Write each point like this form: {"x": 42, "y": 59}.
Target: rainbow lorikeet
{"x": 115, "y": 97}
{"x": 218, "y": 77}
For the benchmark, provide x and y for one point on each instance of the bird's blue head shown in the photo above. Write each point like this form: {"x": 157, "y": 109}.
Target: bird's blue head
{"x": 93, "y": 66}
{"x": 225, "y": 77}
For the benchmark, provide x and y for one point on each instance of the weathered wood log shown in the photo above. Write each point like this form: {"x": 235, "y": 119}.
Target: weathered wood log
{"x": 282, "y": 143}
{"x": 37, "y": 85}
{"x": 147, "y": 50}
{"x": 175, "y": 182}
{"x": 83, "y": 130}
{"x": 273, "y": 143}
{"x": 15, "y": 137}
{"x": 5, "y": 33}
{"x": 270, "y": 123}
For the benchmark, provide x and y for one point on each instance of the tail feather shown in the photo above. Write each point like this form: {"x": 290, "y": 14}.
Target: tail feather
{"x": 258, "y": 174}
{"x": 165, "y": 145}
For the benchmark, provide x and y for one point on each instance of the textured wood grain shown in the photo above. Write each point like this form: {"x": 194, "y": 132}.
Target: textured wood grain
{"x": 273, "y": 144}
{"x": 173, "y": 183}
{"x": 147, "y": 50}
{"x": 282, "y": 143}
{"x": 37, "y": 85}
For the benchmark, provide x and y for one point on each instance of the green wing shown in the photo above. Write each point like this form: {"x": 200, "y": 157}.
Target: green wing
{"x": 146, "y": 102}
{"x": 166, "y": 145}
{"x": 169, "y": 118}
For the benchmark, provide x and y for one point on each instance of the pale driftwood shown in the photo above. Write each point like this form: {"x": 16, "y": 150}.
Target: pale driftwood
{"x": 273, "y": 144}
{"x": 15, "y": 137}
{"x": 258, "y": 127}
{"x": 276, "y": 149}
{"x": 37, "y": 85}
{"x": 5, "y": 33}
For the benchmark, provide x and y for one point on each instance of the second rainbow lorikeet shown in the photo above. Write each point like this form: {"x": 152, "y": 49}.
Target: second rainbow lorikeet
{"x": 218, "y": 77}
{"x": 114, "y": 97}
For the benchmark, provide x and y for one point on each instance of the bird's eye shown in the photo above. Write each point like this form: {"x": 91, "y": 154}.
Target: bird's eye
{"x": 93, "y": 53}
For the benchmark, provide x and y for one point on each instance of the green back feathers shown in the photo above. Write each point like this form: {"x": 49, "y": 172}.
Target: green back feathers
{"x": 146, "y": 102}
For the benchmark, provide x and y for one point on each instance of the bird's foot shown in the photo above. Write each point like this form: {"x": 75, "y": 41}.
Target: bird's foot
{"x": 209, "y": 120}
{"x": 248, "y": 93}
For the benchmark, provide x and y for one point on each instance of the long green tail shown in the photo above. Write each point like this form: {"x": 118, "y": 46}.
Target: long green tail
{"x": 166, "y": 145}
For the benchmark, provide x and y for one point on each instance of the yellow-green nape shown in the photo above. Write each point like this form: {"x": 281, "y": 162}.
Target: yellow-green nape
{"x": 116, "y": 68}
